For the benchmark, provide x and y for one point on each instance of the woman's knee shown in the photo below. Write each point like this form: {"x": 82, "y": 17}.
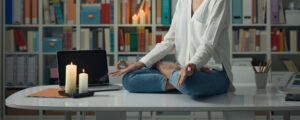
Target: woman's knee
{"x": 205, "y": 85}
{"x": 128, "y": 81}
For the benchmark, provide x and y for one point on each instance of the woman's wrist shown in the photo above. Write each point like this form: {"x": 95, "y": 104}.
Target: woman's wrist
{"x": 139, "y": 65}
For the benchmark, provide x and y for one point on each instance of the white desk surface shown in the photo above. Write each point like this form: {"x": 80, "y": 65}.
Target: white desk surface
{"x": 244, "y": 98}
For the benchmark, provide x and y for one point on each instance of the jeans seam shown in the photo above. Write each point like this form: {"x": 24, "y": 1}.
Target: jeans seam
{"x": 164, "y": 85}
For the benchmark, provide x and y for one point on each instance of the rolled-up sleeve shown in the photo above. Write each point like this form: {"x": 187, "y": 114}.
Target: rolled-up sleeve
{"x": 217, "y": 22}
{"x": 166, "y": 46}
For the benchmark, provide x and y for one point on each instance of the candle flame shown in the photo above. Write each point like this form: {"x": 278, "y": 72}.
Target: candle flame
{"x": 134, "y": 15}
{"x": 71, "y": 63}
{"x": 83, "y": 70}
{"x": 142, "y": 11}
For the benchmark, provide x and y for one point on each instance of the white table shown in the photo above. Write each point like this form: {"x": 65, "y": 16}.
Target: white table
{"x": 245, "y": 98}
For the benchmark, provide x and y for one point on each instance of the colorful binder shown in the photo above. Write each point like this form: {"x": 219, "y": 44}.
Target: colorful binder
{"x": 8, "y": 12}
{"x": 166, "y": 12}
{"x": 237, "y": 11}
{"x": 274, "y": 11}
{"x": 247, "y": 12}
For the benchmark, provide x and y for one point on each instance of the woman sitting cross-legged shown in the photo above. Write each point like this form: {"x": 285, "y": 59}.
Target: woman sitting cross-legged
{"x": 199, "y": 35}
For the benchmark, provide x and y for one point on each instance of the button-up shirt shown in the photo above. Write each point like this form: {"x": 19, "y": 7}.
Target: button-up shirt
{"x": 201, "y": 38}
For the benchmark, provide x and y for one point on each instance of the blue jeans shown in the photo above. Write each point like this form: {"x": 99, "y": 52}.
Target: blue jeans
{"x": 199, "y": 84}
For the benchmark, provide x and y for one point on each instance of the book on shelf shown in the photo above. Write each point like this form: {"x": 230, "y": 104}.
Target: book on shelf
{"x": 21, "y": 40}
{"x": 135, "y": 40}
{"x": 166, "y": 12}
{"x": 277, "y": 12}
{"x": 285, "y": 40}
{"x": 59, "y": 11}
{"x": 17, "y": 12}
{"x": 10, "y": 41}
{"x": 21, "y": 70}
{"x": 8, "y": 12}
{"x": 237, "y": 12}
{"x": 160, "y": 34}
{"x": 112, "y": 9}
{"x": 32, "y": 70}
{"x": 105, "y": 11}
{"x": 249, "y": 11}
{"x": 249, "y": 40}
{"x": 51, "y": 73}
{"x": 67, "y": 38}
{"x": 158, "y": 11}
{"x": 290, "y": 65}
{"x": 129, "y": 8}
{"x": 97, "y": 38}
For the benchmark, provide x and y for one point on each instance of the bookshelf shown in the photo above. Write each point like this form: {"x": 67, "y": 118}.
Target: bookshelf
{"x": 277, "y": 65}
{"x": 44, "y": 58}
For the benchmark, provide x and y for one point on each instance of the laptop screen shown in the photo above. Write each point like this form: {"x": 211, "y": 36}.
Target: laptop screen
{"x": 92, "y": 61}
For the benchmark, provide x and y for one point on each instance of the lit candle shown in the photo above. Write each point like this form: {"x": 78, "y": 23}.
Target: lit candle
{"x": 71, "y": 76}
{"x": 134, "y": 19}
{"x": 83, "y": 82}
{"x": 142, "y": 17}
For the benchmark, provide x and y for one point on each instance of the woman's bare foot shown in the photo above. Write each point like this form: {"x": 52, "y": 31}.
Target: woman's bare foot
{"x": 167, "y": 69}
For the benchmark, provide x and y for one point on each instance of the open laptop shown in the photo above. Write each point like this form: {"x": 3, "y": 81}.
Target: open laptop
{"x": 93, "y": 62}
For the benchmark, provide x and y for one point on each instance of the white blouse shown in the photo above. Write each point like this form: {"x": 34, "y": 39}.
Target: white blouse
{"x": 201, "y": 39}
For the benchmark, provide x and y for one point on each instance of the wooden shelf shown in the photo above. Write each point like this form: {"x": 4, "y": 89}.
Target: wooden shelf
{"x": 284, "y": 25}
{"x": 248, "y": 53}
{"x": 21, "y": 26}
{"x": 137, "y": 53}
{"x": 135, "y": 25}
{"x": 96, "y": 25}
{"x": 249, "y": 25}
{"x": 161, "y": 25}
{"x": 59, "y": 25}
{"x": 132, "y": 53}
{"x": 285, "y": 53}
{"x": 21, "y": 53}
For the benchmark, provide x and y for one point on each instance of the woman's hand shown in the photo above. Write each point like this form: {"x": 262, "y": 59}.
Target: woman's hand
{"x": 186, "y": 71}
{"x": 128, "y": 67}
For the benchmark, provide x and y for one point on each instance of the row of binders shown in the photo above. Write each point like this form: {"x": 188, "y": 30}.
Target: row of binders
{"x": 165, "y": 10}
{"x": 97, "y": 12}
{"x": 21, "y": 12}
{"x": 97, "y": 38}
{"x": 249, "y": 11}
{"x": 139, "y": 39}
{"x": 21, "y": 41}
{"x": 21, "y": 70}
{"x": 284, "y": 40}
{"x": 59, "y": 11}
{"x": 249, "y": 40}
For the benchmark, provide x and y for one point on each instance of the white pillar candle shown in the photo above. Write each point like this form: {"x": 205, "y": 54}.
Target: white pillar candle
{"x": 71, "y": 76}
{"x": 83, "y": 82}
{"x": 142, "y": 17}
{"x": 134, "y": 19}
